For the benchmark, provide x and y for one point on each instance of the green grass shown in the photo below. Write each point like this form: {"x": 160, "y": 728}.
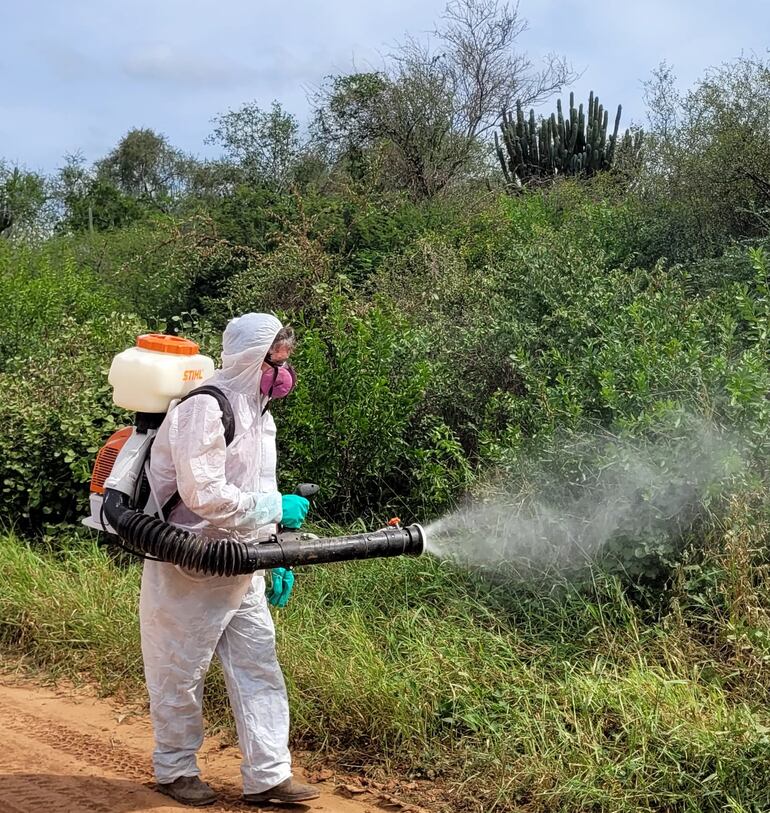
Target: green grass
{"x": 513, "y": 701}
{"x": 71, "y": 613}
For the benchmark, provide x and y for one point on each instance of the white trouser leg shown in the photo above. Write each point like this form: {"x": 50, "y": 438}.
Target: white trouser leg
{"x": 257, "y": 691}
{"x": 182, "y": 617}
{"x": 178, "y": 729}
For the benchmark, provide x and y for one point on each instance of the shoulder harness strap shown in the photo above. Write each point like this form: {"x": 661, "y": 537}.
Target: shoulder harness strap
{"x": 228, "y": 422}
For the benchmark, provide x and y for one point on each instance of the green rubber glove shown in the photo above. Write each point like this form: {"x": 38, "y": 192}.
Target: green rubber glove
{"x": 295, "y": 510}
{"x": 282, "y": 582}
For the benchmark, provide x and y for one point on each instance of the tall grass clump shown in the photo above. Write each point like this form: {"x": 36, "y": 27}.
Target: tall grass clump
{"x": 70, "y": 611}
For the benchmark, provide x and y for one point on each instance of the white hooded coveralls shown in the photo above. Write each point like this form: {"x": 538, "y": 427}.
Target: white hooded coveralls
{"x": 186, "y": 617}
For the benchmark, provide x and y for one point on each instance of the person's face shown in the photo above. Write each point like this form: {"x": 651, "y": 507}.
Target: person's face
{"x": 278, "y": 355}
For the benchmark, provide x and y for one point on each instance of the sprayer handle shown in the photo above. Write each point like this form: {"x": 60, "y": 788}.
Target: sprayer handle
{"x": 307, "y": 490}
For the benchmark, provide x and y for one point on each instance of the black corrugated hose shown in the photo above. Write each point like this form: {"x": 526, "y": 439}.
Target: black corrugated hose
{"x": 151, "y": 537}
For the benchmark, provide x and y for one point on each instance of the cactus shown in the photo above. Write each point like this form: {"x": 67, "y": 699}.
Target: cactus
{"x": 578, "y": 145}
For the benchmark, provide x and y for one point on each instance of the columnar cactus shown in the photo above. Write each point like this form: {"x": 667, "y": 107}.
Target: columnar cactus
{"x": 577, "y": 145}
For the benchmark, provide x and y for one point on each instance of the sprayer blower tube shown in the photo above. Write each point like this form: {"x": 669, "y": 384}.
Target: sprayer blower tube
{"x": 155, "y": 538}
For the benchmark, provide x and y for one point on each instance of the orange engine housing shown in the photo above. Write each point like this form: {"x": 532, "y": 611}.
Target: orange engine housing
{"x": 106, "y": 457}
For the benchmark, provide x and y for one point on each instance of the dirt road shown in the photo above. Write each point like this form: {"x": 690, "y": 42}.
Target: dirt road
{"x": 68, "y": 752}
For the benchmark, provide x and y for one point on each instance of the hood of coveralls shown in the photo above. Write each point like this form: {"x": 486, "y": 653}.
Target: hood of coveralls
{"x": 245, "y": 343}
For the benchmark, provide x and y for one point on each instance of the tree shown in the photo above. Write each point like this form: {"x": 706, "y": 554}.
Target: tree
{"x": 89, "y": 201}
{"x": 707, "y": 160}
{"x": 264, "y": 144}
{"x": 347, "y": 124}
{"x": 211, "y": 180}
{"x": 485, "y": 73}
{"x": 23, "y": 202}
{"x": 146, "y": 167}
{"x": 663, "y": 101}
{"x": 433, "y": 101}
{"x": 664, "y": 108}
{"x": 143, "y": 175}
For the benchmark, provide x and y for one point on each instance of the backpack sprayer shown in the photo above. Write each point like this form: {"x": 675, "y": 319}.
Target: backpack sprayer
{"x": 146, "y": 379}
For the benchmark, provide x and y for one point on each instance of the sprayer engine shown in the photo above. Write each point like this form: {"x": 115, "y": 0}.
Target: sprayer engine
{"x": 120, "y": 465}
{"x": 123, "y": 503}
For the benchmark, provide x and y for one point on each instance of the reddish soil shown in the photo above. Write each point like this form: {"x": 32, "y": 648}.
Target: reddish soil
{"x": 66, "y": 751}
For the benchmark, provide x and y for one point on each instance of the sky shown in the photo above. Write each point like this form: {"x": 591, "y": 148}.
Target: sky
{"x": 78, "y": 75}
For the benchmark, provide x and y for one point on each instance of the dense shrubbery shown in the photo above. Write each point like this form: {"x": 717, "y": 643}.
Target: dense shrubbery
{"x": 357, "y": 425}
{"x": 56, "y": 412}
{"x": 471, "y": 349}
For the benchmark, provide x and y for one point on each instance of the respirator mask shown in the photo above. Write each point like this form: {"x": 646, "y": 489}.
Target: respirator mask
{"x": 277, "y": 382}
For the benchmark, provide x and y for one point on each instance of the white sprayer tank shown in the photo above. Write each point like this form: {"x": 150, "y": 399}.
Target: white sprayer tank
{"x": 146, "y": 378}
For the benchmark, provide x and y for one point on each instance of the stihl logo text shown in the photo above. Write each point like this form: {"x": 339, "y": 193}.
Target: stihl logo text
{"x": 193, "y": 375}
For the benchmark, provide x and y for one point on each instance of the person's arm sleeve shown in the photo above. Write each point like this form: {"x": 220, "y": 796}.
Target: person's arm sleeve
{"x": 198, "y": 449}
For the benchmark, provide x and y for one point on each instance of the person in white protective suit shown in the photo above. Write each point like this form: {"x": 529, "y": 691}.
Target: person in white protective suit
{"x": 185, "y": 617}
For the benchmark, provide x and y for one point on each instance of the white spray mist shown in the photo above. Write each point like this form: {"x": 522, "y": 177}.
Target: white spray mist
{"x": 594, "y": 491}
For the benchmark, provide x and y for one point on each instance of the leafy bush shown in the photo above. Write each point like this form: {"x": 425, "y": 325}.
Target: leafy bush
{"x": 532, "y": 340}
{"x": 56, "y": 412}
{"x": 353, "y": 424}
{"x": 160, "y": 270}
{"x": 297, "y": 275}
{"x": 40, "y": 287}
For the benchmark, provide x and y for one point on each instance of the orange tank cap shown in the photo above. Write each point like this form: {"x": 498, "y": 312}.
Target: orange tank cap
{"x": 163, "y": 343}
